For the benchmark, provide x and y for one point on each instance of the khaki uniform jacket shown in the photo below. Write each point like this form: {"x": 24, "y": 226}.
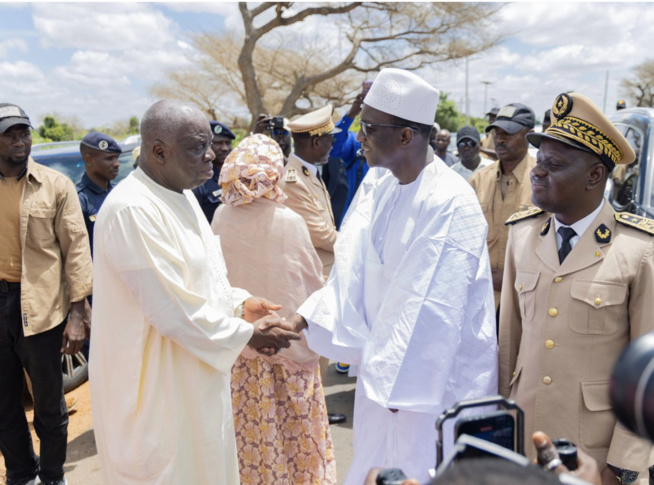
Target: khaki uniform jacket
{"x": 486, "y": 183}
{"x": 563, "y": 326}
{"x": 56, "y": 254}
{"x": 308, "y": 197}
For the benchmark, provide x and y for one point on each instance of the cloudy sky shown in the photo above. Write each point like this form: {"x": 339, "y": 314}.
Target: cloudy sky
{"x": 95, "y": 61}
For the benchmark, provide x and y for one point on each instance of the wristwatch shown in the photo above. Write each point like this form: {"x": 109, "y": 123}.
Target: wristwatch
{"x": 624, "y": 476}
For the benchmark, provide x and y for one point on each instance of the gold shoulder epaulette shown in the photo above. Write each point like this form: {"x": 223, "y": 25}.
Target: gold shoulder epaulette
{"x": 522, "y": 215}
{"x": 637, "y": 222}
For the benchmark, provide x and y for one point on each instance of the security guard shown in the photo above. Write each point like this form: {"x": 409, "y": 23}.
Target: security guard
{"x": 302, "y": 183}
{"x": 100, "y": 153}
{"x": 208, "y": 194}
{"x": 578, "y": 287}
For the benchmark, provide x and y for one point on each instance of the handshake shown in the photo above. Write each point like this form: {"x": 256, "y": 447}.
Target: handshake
{"x": 271, "y": 332}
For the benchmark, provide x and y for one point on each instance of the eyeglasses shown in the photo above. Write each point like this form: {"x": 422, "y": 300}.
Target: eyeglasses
{"x": 366, "y": 126}
{"x": 278, "y": 132}
{"x": 467, "y": 143}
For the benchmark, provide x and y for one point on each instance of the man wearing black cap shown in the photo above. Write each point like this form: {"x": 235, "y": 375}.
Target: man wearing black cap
{"x": 503, "y": 188}
{"x": 468, "y": 144}
{"x": 578, "y": 286}
{"x": 100, "y": 153}
{"x": 208, "y": 194}
{"x": 45, "y": 271}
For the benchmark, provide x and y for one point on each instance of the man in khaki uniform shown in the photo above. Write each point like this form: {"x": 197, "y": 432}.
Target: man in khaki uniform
{"x": 578, "y": 287}
{"x": 503, "y": 188}
{"x": 302, "y": 183}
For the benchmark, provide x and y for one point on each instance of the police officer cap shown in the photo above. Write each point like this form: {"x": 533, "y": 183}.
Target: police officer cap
{"x": 578, "y": 122}
{"x": 11, "y": 115}
{"x": 218, "y": 128}
{"x": 102, "y": 142}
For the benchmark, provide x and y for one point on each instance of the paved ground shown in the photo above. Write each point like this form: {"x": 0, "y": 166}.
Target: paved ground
{"x": 82, "y": 463}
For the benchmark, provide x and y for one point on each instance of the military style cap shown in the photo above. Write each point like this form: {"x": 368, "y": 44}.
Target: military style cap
{"x": 218, "y": 128}
{"x": 11, "y": 115}
{"x": 577, "y": 122}
{"x": 102, "y": 142}
{"x": 403, "y": 94}
{"x": 467, "y": 133}
{"x": 513, "y": 117}
{"x": 316, "y": 123}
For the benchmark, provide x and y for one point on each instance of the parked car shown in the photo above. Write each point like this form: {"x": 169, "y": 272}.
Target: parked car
{"x": 66, "y": 158}
{"x": 631, "y": 188}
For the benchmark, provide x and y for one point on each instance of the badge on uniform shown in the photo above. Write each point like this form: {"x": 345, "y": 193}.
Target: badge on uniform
{"x": 291, "y": 175}
{"x": 305, "y": 171}
{"x": 603, "y": 234}
{"x": 93, "y": 218}
{"x": 546, "y": 227}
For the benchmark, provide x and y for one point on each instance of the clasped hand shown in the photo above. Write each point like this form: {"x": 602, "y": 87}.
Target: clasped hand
{"x": 271, "y": 332}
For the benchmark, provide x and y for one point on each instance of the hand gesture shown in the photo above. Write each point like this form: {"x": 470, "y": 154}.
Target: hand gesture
{"x": 587, "y": 468}
{"x": 271, "y": 334}
{"x": 355, "y": 109}
{"x": 255, "y": 308}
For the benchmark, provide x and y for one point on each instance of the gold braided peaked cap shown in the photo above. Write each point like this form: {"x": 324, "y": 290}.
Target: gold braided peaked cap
{"x": 578, "y": 122}
{"x": 318, "y": 122}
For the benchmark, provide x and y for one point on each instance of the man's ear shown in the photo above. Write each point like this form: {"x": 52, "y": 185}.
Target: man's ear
{"x": 596, "y": 175}
{"x": 88, "y": 160}
{"x": 159, "y": 152}
{"x": 406, "y": 136}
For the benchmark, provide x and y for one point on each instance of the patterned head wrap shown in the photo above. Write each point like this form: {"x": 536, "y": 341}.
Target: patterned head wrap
{"x": 252, "y": 170}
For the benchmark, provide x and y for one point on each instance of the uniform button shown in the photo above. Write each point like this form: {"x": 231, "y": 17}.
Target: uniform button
{"x": 598, "y": 301}
{"x": 547, "y": 380}
{"x": 513, "y": 373}
{"x": 549, "y": 344}
{"x": 553, "y": 312}
{"x": 558, "y": 279}
{"x": 519, "y": 287}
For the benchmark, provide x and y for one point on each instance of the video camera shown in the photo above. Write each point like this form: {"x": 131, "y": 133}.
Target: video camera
{"x": 497, "y": 434}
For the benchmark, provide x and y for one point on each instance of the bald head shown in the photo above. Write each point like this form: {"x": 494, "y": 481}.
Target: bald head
{"x": 176, "y": 145}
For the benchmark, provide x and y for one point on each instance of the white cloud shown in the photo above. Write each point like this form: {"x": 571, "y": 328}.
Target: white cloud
{"x": 102, "y": 26}
{"x": 11, "y": 46}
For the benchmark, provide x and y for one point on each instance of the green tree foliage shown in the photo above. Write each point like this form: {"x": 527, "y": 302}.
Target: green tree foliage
{"x": 134, "y": 126}
{"x": 447, "y": 115}
{"x": 449, "y": 118}
{"x": 52, "y": 130}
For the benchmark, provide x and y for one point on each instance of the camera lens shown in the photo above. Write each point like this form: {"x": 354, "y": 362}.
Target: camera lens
{"x": 567, "y": 453}
{"x": 632, "y": 387}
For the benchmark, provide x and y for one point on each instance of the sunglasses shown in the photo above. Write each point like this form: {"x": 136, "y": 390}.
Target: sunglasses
{"x": 366, "y": 126}
{"x": 467, "y": 143}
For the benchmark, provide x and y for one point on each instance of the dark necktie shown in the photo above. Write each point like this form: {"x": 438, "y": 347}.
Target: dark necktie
{"x": 566, "y": 233}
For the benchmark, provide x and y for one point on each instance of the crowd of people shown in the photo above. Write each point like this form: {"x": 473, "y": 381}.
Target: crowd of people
{"x": 436, "y": 278}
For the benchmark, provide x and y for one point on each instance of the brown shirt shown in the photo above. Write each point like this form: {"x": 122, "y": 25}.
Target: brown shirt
{"x": 11, "y": 191}
{"x": 56, "y": 261}
{"x": 563, "y": 326}
{"x": 497, "y": 209}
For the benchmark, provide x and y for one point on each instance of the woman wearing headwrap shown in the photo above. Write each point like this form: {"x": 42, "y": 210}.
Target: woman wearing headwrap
{"x": 282, "y": 431}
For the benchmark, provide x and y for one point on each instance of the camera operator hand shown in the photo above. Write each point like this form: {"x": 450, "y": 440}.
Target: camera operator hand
{"x": 261, "y": 124}
{"x": 371, "y": 479}
{"x": 587, "y": 468}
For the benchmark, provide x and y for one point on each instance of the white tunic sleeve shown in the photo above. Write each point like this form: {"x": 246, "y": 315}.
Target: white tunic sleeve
{"x": 147, "y": 257}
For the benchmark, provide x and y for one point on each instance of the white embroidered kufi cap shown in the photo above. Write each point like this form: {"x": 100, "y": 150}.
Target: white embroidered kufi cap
{"x": 403, "y": 94}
